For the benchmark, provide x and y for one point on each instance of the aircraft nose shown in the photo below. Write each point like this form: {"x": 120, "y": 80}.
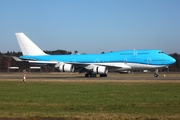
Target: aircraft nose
{"x": 172, "y": 60}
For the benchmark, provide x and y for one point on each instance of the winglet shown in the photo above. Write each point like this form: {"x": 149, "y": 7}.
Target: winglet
{"x": 27, "y": 46}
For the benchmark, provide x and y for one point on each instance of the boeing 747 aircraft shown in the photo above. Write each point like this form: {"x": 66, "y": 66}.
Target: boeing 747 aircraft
{"x": 94, "y": 64}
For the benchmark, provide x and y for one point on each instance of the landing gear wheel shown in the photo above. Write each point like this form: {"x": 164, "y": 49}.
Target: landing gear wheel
{"x": 155, "y": 75}
{"x": 94, "y": 75}
{"x": 86, "y": 75}
{"x": 103, "y": 75}
{"x": 90, "y": 75}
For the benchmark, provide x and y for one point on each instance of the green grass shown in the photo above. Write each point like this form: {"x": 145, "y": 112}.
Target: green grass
{"x": 90, "y": 100}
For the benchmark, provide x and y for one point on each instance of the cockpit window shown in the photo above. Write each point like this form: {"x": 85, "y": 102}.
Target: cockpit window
{"x": 161, "y": 52}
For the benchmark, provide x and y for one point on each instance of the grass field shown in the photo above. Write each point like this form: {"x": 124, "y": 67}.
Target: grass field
{"x": 90, "y": 100}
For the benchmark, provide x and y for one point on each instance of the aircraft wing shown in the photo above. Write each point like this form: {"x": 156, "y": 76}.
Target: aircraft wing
{"x": 87, "y": 66}
{"x": 34, "y": 61}
{"x": 43, "y": 62}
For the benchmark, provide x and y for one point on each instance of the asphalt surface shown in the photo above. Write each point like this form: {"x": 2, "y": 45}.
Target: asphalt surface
{"x": 76, "y": 76}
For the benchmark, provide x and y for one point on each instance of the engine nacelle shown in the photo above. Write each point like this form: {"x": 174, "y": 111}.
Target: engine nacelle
{"x": 66, "y": 68}
{"x": 100, "y": 70}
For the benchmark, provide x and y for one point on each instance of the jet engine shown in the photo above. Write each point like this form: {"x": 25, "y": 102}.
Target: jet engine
{"x": 100, "y": 70}
{"x": 66, "y": 68}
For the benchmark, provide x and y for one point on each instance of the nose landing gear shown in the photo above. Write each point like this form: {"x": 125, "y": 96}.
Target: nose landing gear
{"x": 156, "y": 73}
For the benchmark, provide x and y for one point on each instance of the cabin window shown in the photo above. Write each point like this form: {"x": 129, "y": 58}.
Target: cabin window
{"x": 143, "y": 53}
{"x": 126, "y": 53}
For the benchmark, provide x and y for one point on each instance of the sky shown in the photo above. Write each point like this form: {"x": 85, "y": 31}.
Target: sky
{"x": 92, "y": 26}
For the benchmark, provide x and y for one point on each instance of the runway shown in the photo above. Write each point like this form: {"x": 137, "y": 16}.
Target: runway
{"x": 77, "y": 76}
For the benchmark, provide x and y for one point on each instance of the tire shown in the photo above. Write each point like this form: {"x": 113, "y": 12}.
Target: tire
{"x": 155, "y": 75}
{"x": 103, "y": 75}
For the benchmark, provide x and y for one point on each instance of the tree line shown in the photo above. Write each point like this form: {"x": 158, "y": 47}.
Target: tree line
{"x": 6, "y": 60}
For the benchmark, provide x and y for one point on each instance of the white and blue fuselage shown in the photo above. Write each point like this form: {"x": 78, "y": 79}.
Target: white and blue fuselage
{"x": 130, "y": 59}
{"x": 95, "y": 63}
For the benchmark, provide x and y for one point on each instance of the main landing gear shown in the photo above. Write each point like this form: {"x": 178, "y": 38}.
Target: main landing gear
{"x": 156, "y": 73}
{"x": 90, "y": 74}
{"x": 103, "y": 75}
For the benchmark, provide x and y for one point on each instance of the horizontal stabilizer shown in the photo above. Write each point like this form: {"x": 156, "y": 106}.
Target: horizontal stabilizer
{"x": 16, "y": 58}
